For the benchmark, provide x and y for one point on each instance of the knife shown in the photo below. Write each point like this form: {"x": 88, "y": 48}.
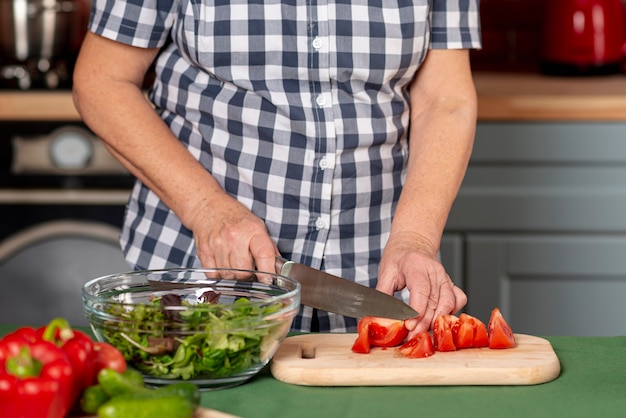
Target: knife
{"x": 334, "y": 294}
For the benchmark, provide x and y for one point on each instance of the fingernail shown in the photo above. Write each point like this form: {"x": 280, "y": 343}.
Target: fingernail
{"x": 410, "y": 324}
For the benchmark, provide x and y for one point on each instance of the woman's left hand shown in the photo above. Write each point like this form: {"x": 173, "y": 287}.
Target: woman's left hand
{"x": 432, "y": 292}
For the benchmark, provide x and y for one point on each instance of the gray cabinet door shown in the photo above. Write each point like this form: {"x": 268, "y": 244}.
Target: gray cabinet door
{"x": 540, "y": 227}
{"x": 552, "y": 177}
{"x": 452, "y": 257}
{"x": 553, "y": 284}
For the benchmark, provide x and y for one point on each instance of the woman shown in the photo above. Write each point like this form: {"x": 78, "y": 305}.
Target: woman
{"x": 284, "y": 127}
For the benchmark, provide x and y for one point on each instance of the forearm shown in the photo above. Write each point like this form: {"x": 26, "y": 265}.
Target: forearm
{"x": 116, "y": 109}
{"x": 442, "y": 128}
{"x": 146, "y": 147}
{"x": 435, "y": 174}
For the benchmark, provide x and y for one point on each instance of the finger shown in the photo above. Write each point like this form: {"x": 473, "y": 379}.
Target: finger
{"x": 460, "y": 298}
{"x": 232, "y": 253}
{"x": 208, "y": 262}
{"x": 419, "y": 302}
{"x": 384, "y": 284}
{"x": 221, "y": 253}
{"x": 240, "y": 259}
{"x": 421, "y": 324}
{"x": 264, "y": 252}
{"x": 440, "y": 299}
{"x": 411, "y": 323}
{"x": 447, "y": 300}
{"x": 425, "y": 305}
{"x": 206, "y": 257}
{"x": 215, "y": 252}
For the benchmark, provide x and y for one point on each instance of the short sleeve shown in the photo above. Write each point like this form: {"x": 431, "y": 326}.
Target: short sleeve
{"x": 140, "y": 23}
{"x": 455, "y": 24}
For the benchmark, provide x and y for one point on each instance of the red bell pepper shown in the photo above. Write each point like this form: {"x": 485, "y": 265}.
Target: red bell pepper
{"x": 35, "y": 377}
{"x": 78, "y": 348}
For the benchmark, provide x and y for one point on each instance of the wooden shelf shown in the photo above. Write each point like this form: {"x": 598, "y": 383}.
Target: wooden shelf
{"x": 37, "y": 106}
{"x": 501, "y": 97}
{"x": 534, "y": 97}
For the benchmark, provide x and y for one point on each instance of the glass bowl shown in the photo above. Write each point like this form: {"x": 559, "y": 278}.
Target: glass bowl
{"x": 213, "y": 327}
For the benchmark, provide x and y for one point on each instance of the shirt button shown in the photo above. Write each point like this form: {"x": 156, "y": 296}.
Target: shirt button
{"x": 320, "y": 100}
{"x": 324, "y": 163}
{"x": 320, "y": 223}
{"x": 317, "y": 42}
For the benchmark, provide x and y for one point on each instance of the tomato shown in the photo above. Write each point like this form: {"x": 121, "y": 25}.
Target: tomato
{"x": 463, "y": 334}
{"x": 470, "y": 332}
{"x": 499, "y": 332}
{"x": 107, "y": 356}
{"x": 384, "y": 332}
{"x": 481, "y": 338}
{"x": 379, "y": 332}
{"x": 451, "y": 320}
{"x": 362, "y": 343}
{"x": 418, "y": 347}
{"x": 442, "y": 335}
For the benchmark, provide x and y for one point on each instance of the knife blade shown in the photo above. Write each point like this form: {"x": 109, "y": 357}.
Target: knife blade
{"x": 330, "y": 293}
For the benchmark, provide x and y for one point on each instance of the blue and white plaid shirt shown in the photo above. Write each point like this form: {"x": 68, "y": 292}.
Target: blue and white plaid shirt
{"x": 299, "y": 108}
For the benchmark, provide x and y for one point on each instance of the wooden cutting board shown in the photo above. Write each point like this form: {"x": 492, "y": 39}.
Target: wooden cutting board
{"x": 211, "y": 413}
{"x": 327, "y": 360}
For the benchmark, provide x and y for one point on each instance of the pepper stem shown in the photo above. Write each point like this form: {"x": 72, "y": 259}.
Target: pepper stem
{"x": 23, "y": 365}
{"x": 58, "y": 331}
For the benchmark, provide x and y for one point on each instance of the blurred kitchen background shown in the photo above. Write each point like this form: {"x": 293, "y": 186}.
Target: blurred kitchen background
{"x": 538, "y": 229}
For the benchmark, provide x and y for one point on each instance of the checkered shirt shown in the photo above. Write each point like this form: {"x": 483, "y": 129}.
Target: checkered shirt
{"x": 299, "y": 108}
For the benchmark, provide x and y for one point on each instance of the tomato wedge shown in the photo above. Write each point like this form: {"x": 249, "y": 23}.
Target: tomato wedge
{"x": 418, "y": 347}
{"x": 481, "y": 338}
{"x": 385, "y": 332}
{"x": 470, "y": 332}
{"x": 442, "y": 335}
{"x": 499, "y": 331}
{"x": 463, "y": 334}
{"x": 362, "y": 343}
{"x": 379, "y": 332}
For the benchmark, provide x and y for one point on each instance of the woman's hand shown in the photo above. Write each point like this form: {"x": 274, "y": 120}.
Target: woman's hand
{"x": 406, "y": 263}
{"x": 228, "y": 235}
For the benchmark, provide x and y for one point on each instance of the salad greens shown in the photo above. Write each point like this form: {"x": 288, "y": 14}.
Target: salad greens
{"x": 208, "y": 341}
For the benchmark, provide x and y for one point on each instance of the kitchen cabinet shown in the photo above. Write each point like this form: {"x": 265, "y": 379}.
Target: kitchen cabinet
{"x": 539, "y": 227}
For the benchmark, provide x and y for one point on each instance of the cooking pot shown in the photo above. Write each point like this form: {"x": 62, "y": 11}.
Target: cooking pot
{"x": 42, "y": 29}
{"x": 583, "y": 37}
{"x": 39, "y": 41}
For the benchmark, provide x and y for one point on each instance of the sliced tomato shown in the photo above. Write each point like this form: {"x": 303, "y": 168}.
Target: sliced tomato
{"x": 499, "y": 332}
{"x": 481, "y": 338}
{"x": 463, "y": 335}
{"x": 451, "y": 320}
{"x": 470, "y": 332}
{"x": 384, "y": 332}
{"x": 362, "y": 343}
{"x": 418, "y": 347}
{"x": 442, "y": 335}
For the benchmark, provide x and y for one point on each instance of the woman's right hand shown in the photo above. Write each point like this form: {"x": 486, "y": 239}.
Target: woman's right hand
{"x": 229, "y": 235}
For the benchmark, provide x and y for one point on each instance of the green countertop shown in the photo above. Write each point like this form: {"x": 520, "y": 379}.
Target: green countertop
{"x": 592, "y": 384}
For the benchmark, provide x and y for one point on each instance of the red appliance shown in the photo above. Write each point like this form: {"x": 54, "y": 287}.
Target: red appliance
{"x": 583, "y": 37}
